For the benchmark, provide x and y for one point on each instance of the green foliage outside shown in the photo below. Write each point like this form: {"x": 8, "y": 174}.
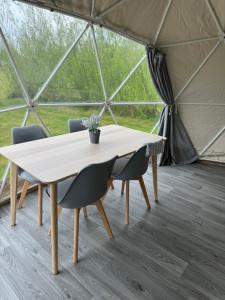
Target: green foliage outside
{"x": 5, "y": 85}
{"x": 39, "y": 38}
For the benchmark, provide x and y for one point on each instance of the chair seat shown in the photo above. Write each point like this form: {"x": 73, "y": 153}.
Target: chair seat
{"x": 62, "y": 188}
{"x": 27, "y": 176}
{"x": 119, "y": 165}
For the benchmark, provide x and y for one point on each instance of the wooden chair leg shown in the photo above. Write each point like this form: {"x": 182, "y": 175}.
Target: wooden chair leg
{"x": 123, "y": 186}
{"x": 154, "y": 176}
{"x": 143, "y": 188}
{"x": 40, "y": 192}
{"x": 85, "y": 211}
{"x": 23, "y": 193}
{"x": 127, "y": 201}
{"x": 104, "y": 218}
{"x": 59, "y": 212}
{"x": 76, "y": 235}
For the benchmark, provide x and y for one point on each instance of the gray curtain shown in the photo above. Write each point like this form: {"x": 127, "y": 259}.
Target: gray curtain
{"x": 178, "y": 147}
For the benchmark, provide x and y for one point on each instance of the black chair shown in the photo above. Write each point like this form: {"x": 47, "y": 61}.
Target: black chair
{"x": 126, "y": 169}
{"x": 87, "y": 188}
{"x": 76, "y": 125}
{"x": 22, "y": 135}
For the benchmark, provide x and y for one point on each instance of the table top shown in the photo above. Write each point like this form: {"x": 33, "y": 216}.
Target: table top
{"x": 55, "y": 158}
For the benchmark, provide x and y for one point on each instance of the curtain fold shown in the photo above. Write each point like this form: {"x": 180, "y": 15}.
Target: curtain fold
{"x": 178, "y": 147}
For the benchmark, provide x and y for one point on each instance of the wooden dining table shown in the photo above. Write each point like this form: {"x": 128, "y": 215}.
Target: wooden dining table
{"x": 56, "y": 158}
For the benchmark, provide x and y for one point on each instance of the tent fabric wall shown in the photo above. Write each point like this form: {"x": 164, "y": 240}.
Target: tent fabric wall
{"x": 191, "y": 34}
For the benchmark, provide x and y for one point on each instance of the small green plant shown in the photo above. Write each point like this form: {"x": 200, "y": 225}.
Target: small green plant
{"x": 92, "y": 123}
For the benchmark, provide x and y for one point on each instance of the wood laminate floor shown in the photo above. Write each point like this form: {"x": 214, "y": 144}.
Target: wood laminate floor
{"x": 175, "y": 251}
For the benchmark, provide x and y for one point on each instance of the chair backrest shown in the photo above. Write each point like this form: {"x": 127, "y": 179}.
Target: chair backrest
{"x": 137, "y": 165}
{"x": 89, "y": 185}
{"x": 75, "y": 125}
{"x": 27, "y": 134}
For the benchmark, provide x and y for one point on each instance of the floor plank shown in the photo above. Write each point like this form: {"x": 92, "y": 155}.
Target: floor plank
{"x": 174, "y": 251}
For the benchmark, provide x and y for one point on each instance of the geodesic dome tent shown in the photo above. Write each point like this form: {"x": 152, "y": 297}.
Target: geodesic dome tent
{"x": 190, "y": 33}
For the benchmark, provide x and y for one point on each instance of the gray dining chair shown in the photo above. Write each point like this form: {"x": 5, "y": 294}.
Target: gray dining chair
{"x": 76, "y": 125}
{"x": 22, "y": 135}
{"x": 87, "y": 188}
{"x": 126, "y": 169}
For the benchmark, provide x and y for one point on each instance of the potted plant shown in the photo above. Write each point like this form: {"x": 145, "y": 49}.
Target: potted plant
{"x": 92, "y": 125}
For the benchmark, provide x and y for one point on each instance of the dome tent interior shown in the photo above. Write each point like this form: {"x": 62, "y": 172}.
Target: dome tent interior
{"x": 96, "y": 96}
{"x": 191, "y": 34}
{"x": 192, "y": 37}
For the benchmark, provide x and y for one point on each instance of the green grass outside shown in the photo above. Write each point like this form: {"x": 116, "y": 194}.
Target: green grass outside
{"x": 56, "y": 118}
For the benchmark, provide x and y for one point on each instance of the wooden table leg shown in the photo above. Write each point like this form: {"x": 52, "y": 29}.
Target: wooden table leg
{"x": 40, "y": 203}
{"x": 54, "y": 227}
{"x": 127, "y": 183}
{"x": 13, "y": 192}
{"x": 154, "y": 176}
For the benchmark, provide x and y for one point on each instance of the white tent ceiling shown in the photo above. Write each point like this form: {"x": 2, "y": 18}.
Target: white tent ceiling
{"x": 191, "y": 33}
